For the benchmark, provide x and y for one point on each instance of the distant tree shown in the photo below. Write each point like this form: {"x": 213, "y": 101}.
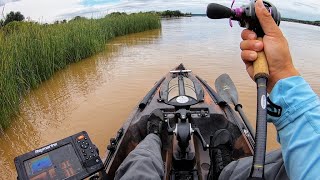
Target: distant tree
{"x": 13, "y": 16}
{"x": 56, "y": 22}
{"x": 117, "y": 14}
{"x": 78, "y": 18}
{"x": 1, "y": 22}
{"x": 177, "y": 13}
{"x": 169, "y": 13}
{"x": 64, "y": 21}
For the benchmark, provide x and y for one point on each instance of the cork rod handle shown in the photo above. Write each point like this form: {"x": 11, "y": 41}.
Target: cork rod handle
{"x": 260, "y": 65}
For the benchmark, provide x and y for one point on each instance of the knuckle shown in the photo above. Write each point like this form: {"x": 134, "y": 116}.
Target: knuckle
{"x": 241, "y": 45}
{"x": 244, "y": 34}
{"x": 251, "y": 45}
{"x": 244, "y": 45}
{"x": 244, "y": 55}
{"x": 266, "y": 13}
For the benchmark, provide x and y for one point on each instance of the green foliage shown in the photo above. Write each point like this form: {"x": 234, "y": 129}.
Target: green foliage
{"x": 176, "y": 13}
{"x": 30, "y": 53}
{"x": 169, "y": 13}
{"x": 117, "y": 14}
{"x": 13, "y": 16}
{"x": 14, "y": 26}
{"x": 77, "y": 18}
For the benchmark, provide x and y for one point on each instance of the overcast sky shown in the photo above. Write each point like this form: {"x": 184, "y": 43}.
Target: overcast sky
{"x": 50, "y": 10}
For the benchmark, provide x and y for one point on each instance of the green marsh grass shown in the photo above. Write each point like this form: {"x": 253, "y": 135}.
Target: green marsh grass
{"x": 30, "y": 53}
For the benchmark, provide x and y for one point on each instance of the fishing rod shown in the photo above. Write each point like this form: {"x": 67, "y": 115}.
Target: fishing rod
{"x": 246, "y": 16}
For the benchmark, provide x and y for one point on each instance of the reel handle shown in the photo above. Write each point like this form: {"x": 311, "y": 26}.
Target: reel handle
{"x": 260, "y": 66}
{"x": 218, "y": 11}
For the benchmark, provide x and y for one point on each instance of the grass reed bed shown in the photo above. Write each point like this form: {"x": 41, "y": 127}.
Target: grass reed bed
{"x": 30, "y": 53}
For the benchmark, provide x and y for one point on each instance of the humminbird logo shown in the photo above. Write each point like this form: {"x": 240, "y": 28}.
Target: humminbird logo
{"x": 45, "y": 148}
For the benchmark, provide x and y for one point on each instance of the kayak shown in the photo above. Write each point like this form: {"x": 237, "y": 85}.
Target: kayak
{"x": 185, "y": 100}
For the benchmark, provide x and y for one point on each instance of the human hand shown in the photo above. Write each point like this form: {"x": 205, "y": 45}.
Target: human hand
{"x": 274, "y": 45}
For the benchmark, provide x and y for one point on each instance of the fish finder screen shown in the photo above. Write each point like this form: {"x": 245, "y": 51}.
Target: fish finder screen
{"x": 60, "y": 163}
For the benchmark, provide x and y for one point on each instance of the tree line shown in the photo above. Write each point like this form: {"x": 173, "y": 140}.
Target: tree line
{"x": 170, "y": 13}
{"x": 10, "y": 17}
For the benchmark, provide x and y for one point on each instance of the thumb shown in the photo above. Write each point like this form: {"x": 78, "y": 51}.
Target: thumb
{"x": 267, "y": 23}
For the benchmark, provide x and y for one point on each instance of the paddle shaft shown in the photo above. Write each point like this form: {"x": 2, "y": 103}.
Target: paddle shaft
{"x": 261, "y": 74}
{"x": 238, "y": 108}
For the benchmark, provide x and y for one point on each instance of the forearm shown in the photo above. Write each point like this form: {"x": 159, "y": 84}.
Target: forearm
{"x": 298, "y": 127}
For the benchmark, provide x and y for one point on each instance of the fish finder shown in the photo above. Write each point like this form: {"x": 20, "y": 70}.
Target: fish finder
{"x": 74, "y": 157}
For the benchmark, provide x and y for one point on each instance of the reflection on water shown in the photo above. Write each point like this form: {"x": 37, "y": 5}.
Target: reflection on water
{"x": 98, "y": 93}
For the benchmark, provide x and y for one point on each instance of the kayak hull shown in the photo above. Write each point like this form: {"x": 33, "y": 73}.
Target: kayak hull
{"x": 214, "y": 114}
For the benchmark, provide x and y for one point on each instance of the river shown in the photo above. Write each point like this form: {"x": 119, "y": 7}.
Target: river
{"x": 98, "y": 93}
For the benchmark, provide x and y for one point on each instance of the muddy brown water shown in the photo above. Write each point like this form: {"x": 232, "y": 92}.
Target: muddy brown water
{"x": 98, "y": 93}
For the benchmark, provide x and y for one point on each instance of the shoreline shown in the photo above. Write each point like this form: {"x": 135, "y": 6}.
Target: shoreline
{"x": 32, "y": 53}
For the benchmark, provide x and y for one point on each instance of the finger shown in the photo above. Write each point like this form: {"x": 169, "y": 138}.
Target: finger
{"x": 248, "y": 55}
{"x": 248, "y": 35}
{"x": 253, "y": 45}
{"x": 249, "y": 68}
{"x": 267, "y": 23}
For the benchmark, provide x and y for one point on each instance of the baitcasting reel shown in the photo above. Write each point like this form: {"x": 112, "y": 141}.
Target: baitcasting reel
{"x": 246, "y": 15}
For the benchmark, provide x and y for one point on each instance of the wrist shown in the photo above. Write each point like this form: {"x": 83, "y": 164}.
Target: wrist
{"x": 274, "y": 78}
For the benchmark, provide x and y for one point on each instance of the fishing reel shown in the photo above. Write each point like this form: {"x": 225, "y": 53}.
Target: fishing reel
{"x": 245, "y": 15}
